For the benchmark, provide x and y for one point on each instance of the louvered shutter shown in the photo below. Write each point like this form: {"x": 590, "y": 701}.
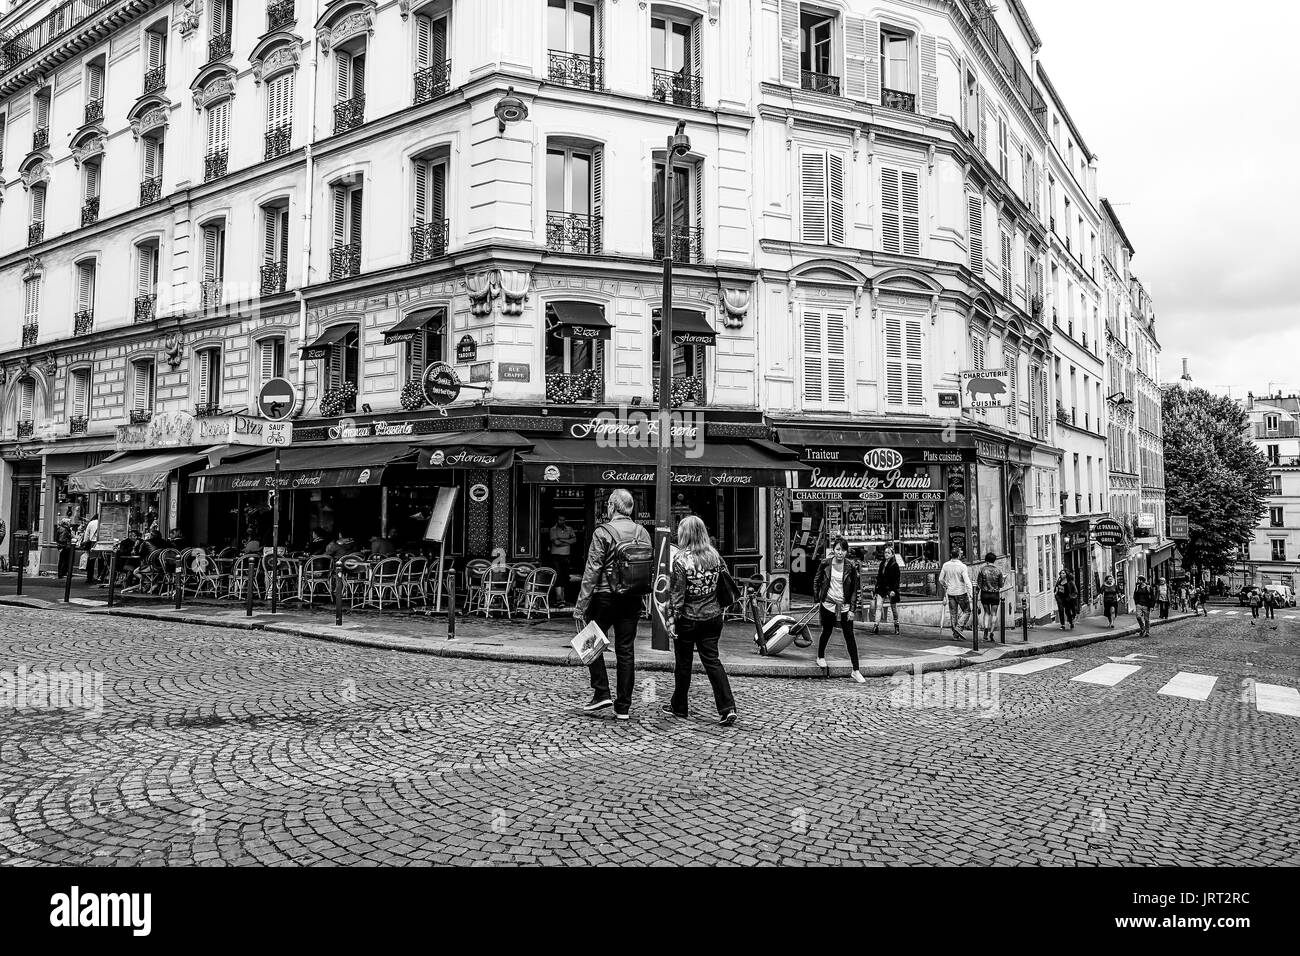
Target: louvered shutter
{"x": 94, "y": 82}
{"x": 150, "y": 157}
{"x": 270, "y": 239}
{"x": 835, "y": 197}
{"x": 205, "y": 359}
{"x": 141, "y": 386}
{"x": 38, "y": 204}
{"x": 915, "y": 365}
{"x": 26, "y": 400}
{"x": 1035, "y": 419}
{"x": 423, "y": 41}
{"x": 890, "y": 225}
{"x": 812, "y": 193}
{"x": 871, "y": 82}
{"x": 218, "y": 126}
{"x": 696, "y": 66}
{"x": 415, "y": 360}
{"x": 144, "y": 269}
{"x": 420, "y": 169}
{"x": 359, "y": 75}
{"x": 1013, "y": 413}
{"x": 977, "y": 350}
{"x": 42, "y": 110}
{"x": 157, "y": 48}
{"x": 340, "y": 215}
{"x": 209, "y": 253}
{"x": 33, "y": 290}
{"x": 92, "y": 180}
{"x": 975, "y": 232}
{"x": 354, "y": 219}
{"x": 894, "y": 384}
{"x": 910, "y": 199}
{"x": 1006, "y": 265}
{"x": 980, "y": 100}
{"x": 697, "y": 191}
{"x": 80, "y": 393}
{"x": 814, "y": 358}
{"x": 284, "y": 236}
{"x": 438, "y": 192}
{"x": 836, "y": 357}
{"x": 334, "y": 376}
{"x": 439, "y": 50}
{"x": 599, "y": 28}
{"x": 929, "y": 76}
{"x": 220, "y": 18}
{"x": 85, "y": 286}
{"x": 3, "y": 120}
{"x": 790, "y": 51}
{"x": 344, "y": 69}
{"x": 266, "y": 360}
{"x": 855, "y": 58}
{"x": 598, "y": 185}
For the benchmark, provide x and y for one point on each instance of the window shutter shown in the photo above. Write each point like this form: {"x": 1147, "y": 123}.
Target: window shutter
{"x": 92, "y": 180}
{"x": 219, "y": 18}
{"x": 156, "y": 50}
{"x": 889, "y": 209}
{"x": 1006, "y": 265}
{"x": 438, "y": 192}
{"x": 415, "y": 356}
{"x": 270, "y": 228}
{"x": 598, "y": 182}
{"x": 85, "y": 286}
{"x": 981, "y": 99}
{"x": 144, "y": 270}
{"x": 812, "y": 192}
{"x": 26, "y": 400}
{"x": 150, "y": 158}
{"x": 423, "y": 41}
{"x": 871, "y": 81}
{"x": 789, "y": 13}
{"x": 335, "y": 372}
{"x": 855, "y": 58}
{"x": 696, "y": 66}
{"x": 911, "y": 212}
{"x": 354, "y": 219}
{"x": 915, "y": 363}
{"x": 975, "y": 232}
{"x": 209, "y": 253}
{"x": 359, "y": 75}
{"x": 33, "y": 289}
{"x": 344, "y": 76}
{"x": 42, "y": 110}
{"x": 284, "y": 236}
{"x": 894, "y": 360}
{"x": 139, "y": 386}
{"x": 205, "y": 360}
{"x": 1013, "y": 413}
{"x": 439, "y": 50}
{"x": 929, "y": 76}
{"x": 94, "y": 82}
{"x": 80, "y": 392}
{"x": 977, "y": 350}
{"x": 835, "y": 195}
{"x": 266, "y": 360}
{"x": 420, "y": 169}
{"x": 814, "y": 358}
{"x": 599, "y": 25}
{"x": 38, "y": 204}
{"x": 340, "y": 215}
{"x": 836, "y": 356}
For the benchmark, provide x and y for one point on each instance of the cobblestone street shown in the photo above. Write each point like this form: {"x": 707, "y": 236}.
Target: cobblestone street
{"x": 219, "y": 746}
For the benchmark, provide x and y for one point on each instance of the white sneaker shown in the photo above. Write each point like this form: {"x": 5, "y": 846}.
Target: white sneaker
{"x": 858, "y": 677}
{"x": 821, "y": 662}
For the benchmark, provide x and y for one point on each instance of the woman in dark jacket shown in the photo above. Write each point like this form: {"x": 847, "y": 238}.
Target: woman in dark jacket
{"x": 1067, "y": 599}
{"x": 836, "y": 591}
{"x": 888, "y": 580}
{"x": 697, "y": 619}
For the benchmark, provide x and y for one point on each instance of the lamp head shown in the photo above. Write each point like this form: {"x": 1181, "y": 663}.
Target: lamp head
{"x": 681, "y": 143}
{"x": 510, "y": 109}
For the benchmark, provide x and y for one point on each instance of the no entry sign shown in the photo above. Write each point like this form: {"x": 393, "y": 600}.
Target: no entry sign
{"x": 275, "y": 400}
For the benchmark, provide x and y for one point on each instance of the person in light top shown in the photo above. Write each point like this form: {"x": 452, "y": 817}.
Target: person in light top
{"x": 836, "y": 591}
{"x": 954, "y": 584}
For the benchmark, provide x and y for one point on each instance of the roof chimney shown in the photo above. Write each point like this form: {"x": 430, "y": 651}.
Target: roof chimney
{"x": 1186, "y": 376}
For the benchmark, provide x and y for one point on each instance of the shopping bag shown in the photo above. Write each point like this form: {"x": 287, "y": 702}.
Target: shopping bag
{"x": 590, "y": 642}
{"x": 83, "y": 561}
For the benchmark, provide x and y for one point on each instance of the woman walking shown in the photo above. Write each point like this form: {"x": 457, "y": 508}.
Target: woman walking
{"x": 1067, "y": 596}
{"x": 836, "y": 591}
{"x": 697, "y": 619}
{"x": 1110, "y": 599}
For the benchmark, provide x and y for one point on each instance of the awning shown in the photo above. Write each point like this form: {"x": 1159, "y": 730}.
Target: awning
{"x": 580, "y": 320}
{"x": 689, "y": 327}
{"x": 480, "y": 449}
{"x": 1160, "y": 555}
{"x": 723, "y": 465}
{"x": 133, "y": 472}
{"x": 405, "y": 330}
{"x": 305, "y": 466}
{"x": 321, "y": 347}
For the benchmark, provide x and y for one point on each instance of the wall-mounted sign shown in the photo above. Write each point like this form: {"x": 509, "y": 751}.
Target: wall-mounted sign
{"x": 991, "y": 449}
{"x": 513, "y": 371}
{"x": 441, "y": 385}
{"x": 480, "y": 372}
{"x": 163, "y": 430}
{"x": 478, "y": 493}
{"x": 949, "y": 400}
{"x": 466, "y": 350}
{"x": 986, "y": 388}
{"x": 228, "y": 430}
{"x": 1179, "y": 528}
{"x": 276, "y": 399}
{"x": 883, "y": 459}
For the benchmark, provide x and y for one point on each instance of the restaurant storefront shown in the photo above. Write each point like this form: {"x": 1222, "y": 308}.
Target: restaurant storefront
{"x": 1075, "y": 557}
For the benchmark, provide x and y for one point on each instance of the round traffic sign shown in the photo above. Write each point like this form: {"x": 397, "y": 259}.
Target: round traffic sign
{"x": 276, "y": 400}
{"x": 441, "y": 384}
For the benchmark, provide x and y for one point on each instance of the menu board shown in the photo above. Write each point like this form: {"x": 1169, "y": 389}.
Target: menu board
{"x": 114, "y": 525}
{"x": 441, "y": 515}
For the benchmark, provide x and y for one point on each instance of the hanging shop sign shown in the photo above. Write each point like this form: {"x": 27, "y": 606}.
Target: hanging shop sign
{"x": 513, "y": 371}
{"x": 1179, "y": 529}
{"x": 986, "y": 388}
{"x": 1108, "y": 532}
{"x": 466, "y": 350}
{"x": 441, "y": 384}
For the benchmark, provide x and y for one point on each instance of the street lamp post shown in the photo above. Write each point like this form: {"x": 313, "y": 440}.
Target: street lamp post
{"x": 678, "y": 145}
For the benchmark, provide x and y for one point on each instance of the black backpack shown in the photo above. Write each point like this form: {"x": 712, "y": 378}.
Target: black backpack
{"x": 630, "y": 568}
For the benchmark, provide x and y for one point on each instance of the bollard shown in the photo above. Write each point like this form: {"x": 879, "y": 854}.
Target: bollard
{"x": 451, "y": 605}
{"x": 22, "y": 563}
{"x": 1002, "y": 620}
{"x": 252, "y": 578}
{"x": 179, "y": 582}
{"x": 337, "y": 578}
{"x": 112, "y": 574}
{"x": 1024, "y": 620}
{"x": 974, "y": 623}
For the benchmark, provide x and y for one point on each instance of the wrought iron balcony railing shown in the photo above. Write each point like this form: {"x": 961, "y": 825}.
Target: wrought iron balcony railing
{"x": 210, "y": 293}
{"x": 64, "y": 19}
{"x": 1036, "y": 306}
{"x": 279, "y": 13}
{"x": 95, "y": 110}
{"x": 576, "y": 70}
{"x": 214, "y": 164}
{"x": 26, "y": 429}
{"x": 569, "y": 389}
{"x": 150, "y": 190}
{"x": 687, "y": 390}
{"x": 898, "y": 100}
{"x": 273, "y": 277}
{"x": 78, "y": 424}
{"x": 688, "y": 243}
{"x": 155, "y": 79}
{"x": 31, "y": 331}
{"x": 219, "y": 46}
{"x": 141, "y": 416}
{"x": 144, "y": 307}
{"x": 83, "y": 322}
{"x": 1010, "y": 63}
{"x": 35, "y": 232}
{"x": 429, "y": 240}
{"x": 432, "y": 82}
{"x": 349, "y": 114}
{"x": 90, "y": 211}
{"x": 345, "y": 260}
{"x": 819, "y": 82}
{"x": 679, "y": 88}
{"x": 40, "y": 137}
{"x": 573, "y": 232}
{"x": 207, "y": 409}
{"x": 277, "y": 141}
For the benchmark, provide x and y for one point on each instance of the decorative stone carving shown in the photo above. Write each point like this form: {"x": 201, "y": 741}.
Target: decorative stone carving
{"x": 51, "y": 364}
{"x": 37, "y": 172}
{"x": 4, "y": 374}
{"x": 404, "y": 8}
{"x": 277, "y": 61}
{"x": 33, "y": 268}
{"x": 514, "y": 288}
{"x": 735, "y": 303}
{"x": 715, "y": 10}
{"x": 174, "y": 349}
{"x": 216, "y": 88}
{"x": 354, "y": 24}
{"x": 483, "y": 288}
{"x": 94, "y": 146}
{"x": 190, "y": 16}
{"x": 152, "y": 119}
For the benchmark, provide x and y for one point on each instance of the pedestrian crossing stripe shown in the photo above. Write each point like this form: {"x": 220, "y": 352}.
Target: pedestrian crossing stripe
{"x": 1033, "y": 666}
{"x": 1108, "y": 675}
{"x": 1190, "y": 686}
{"x": 1280, "y": 617}
{"x": 1276, "y": 699}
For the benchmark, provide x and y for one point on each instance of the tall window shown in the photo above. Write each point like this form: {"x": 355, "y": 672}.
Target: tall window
{"x": 38, "y": 204}
{"x": 151, "y": 156}
{"x": 1004, "y": 154}
{"x": 41, "y": 119}
{"x": 218, "y": 140}
{"x": 142, "y": 375}
{"x": 687, "y": 238}
{"x": 675, "y": 60}
{"x": 146, "y": 279}
{"x": 1274, "y": 453}
{"x": 900, "y": 216}
{"x": 1275, "y": 517}
{"x": 32, "y": 301}
{"x": 897, "y": 52}
{"x": 222, "y": 15}
{"x": 817, "y": 51}
{"x": 1271, "y": 422}
{"x": 270, "y": 359}
{"x": 345, "y": 256}
{"x": 342, "y": 364}
{"x": 275, "y": 248}
{"x": 825, "y": 356}
{"x": 79, "y": 393}
{"x": 571, "y": 27}
{"x": 971, "y": 105}
{"x": 821, "y": 197}
{"x": 155, "y": 58}
{"x": 429, "y": 212}
{"x": 432, "y": 67}
{"x": 425, "y": 347}
{"x": 350, "y": 85}
{"x": 975, "y": 232}
{"x": 574, "y": 198}
{"x": 1006, "y": 263}
{"x": 207, "y": 392}
{"x": 905, "y": 362}
{"x": 90, "y": 187}
{"x": 1279, "y": 549}
{"x": 1012, "y": 362}
{"x": 279, "y": 114}
{"x": 94, "y": 111}
{"x": 26, "y": 403}
{"x": 85, "y": 292}
{"x": 214, "y": 262}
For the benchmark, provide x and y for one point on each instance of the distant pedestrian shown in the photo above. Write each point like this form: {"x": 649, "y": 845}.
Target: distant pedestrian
{"x": 1162, "y": 598}
{"x": 988, "y": 582}
{"x": 888, "y": 580}
{"x": 1270, "y": 601}
{"x": 836, "y": 591}
{"x": 955, "y": 588}
{"x": 1067, "y": 598}
{"x": 1196, "y": 600}
{"x": 1144, "y": 599}
{"x": 63, "y": 539}
{"x": 1110, "y": 599}
{"x": 562, "y": 540}
{"x": 697, "y": 620}
{"x": 89, "y": 540}
{"x": 1255, "y": 602}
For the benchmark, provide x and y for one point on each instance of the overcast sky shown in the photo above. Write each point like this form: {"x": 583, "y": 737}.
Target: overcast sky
{"x": 1193, "y": 110}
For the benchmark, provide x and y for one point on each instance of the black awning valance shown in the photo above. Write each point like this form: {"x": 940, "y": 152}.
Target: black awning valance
{"x": 689, "y": 327}
{"x": 336, "y": 465}
{"x": 580, "y": 320}
{"x": 724, "y": 464}
{"x": 329, "y": 337}
{"x": 406, "y": 329}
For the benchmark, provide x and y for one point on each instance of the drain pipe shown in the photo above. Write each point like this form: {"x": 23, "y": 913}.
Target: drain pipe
{"x": 308, "y": 204}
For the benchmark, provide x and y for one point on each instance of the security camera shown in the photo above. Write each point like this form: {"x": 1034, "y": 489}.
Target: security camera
{"x": 681, "y": 143}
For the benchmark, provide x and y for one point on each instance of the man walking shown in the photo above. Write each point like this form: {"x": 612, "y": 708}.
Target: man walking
{"x": 888, "y": 579}
{"x": 955, "y": 587}
{"x": 1144, "y": 600}
{"x": 620, "y": 569}
{"x": 1270, "y": 601}
{"x": 63, "y": 538}
{"x": 562, "y": 539}
{"x": 89, "y": 540}
{"x": 1162, "y": 598}
{"x": 989, "y": 584}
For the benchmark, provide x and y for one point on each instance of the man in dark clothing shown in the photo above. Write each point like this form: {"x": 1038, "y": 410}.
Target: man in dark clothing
{"x": 888, "y": 578}
{"x": 1144, "y": 599}
{"x": 988, "y": 584}
{"x": 63, "y": 538}
{"x": 597, "y": 602}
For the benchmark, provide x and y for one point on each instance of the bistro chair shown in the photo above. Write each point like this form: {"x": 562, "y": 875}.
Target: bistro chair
{"x": 315, "y": 578}
{"x": 771, "y": 599}
{"x": 237, "y": 589}
{"x": 148, "y": 574}
{"x": 169, "y": 567}
{"x": 537, "y": 592}
{"x": 285, "y": 578}
{"x": 475, "y": 571}
{"x": 206, "y": 573}
{"x": 354, "y": 578}
{"x": 385, "y": 578}
{"x": 411, "y": 581}
{"x": 519, "y": 582}
{"x": 496, "y": 590}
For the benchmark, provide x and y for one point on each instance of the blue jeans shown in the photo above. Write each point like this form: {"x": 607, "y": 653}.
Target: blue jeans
{"x": 621, "y": 614}
{"x": 702, "y": 636}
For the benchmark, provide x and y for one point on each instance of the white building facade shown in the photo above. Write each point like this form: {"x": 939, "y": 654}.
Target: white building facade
{"x": 1273, "y": 554}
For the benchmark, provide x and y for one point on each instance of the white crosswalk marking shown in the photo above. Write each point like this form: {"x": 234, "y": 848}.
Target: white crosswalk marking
{"x": 1108, "y": 675}
{"x": 1231, "y": 612}
{"x": 1190, "y": 686}
{"x": 1277, "y": 699}
{"x": 1032, "y": 666}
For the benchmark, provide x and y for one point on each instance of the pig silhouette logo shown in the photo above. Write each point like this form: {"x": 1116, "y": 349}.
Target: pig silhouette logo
{"x": 985, "y": 386}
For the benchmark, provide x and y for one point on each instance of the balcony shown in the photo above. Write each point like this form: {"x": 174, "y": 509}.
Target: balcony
{"x": 207, "y": 410}
{"x": 95, "y": 110}
{"x": 688, "y": 243}
{"x": 150, "y": 190}
{"x": 432, "y": 82}
{"x": 40, "y": 138}
{"x": 61, "y": 21}
{"x": 90, "y": 211}
{"x": 687, "y": 390}
{"x": 219, "y": 46}
{"x": 140, "y": 416}
{"x": 563, "y": 389}
{"x": 679, "y": 88}
{"x": 575, "y": 70}
{"x": 898, "y": 100}
{"x": 83, "y": 322}
{"x": 349, "y": 114}
{"x": 1036, "y": 307}
{"x": 35, "y": 232}
{"x": 214, "y": 164}
{"x": 819, "y": 83}
{"x": 273, "y": 277}
{"x": 144, "y": 307}
{"x": 277, "y": 141}
{"x": 30, "y": 333}
{"x": 279, "y": 13}
{"x": 26, "y": 429}
{"x": 573, "y": 232}
{"x": 210, "y": 293}
{"x": 78, "y": 425}
{"x": 429, "y": 240}
{"x": 1010, "y": 63}
{"x": 345, "y": 260}
{"x": 155, "y": 79}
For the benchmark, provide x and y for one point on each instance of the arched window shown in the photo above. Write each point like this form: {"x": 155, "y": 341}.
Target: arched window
{"x": 146, "y": 280}
{"x": 275, "y": 246}
{"x": 429, "y": 226}
{"x": 574, "y": 196}
{"x": 432, "y": 27}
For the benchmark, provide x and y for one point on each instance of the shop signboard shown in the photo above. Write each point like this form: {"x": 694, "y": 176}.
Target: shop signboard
{"x": 1108, "y": 532}
{"x": 986, "y": 388}
{"x": 513, "y": 371}
{"x": 228, "y": 430}
{"x": 1146, "y": 525}
{"x": 114, "y": 524}
{"x": 163, "y": 430}
{"x": 441, "y": 384}
{"x": 1179, "y": 529}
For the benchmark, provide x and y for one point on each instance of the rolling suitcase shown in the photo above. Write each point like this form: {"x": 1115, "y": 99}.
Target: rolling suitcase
{"x": 780, "y": 631}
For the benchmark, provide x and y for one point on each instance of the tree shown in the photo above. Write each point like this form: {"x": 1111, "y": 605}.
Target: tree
{"x": 1214, "y": 474}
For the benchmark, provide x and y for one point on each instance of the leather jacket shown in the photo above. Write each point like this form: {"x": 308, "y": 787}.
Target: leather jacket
{"x": 888, "y": 576}
{"x": 695, "y": 590}
{"x": 822, "y": 583}
{"x": 615, "y": 531}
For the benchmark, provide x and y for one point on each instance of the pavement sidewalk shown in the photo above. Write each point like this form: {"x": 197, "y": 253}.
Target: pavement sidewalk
{"x": 546, "y": 641}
